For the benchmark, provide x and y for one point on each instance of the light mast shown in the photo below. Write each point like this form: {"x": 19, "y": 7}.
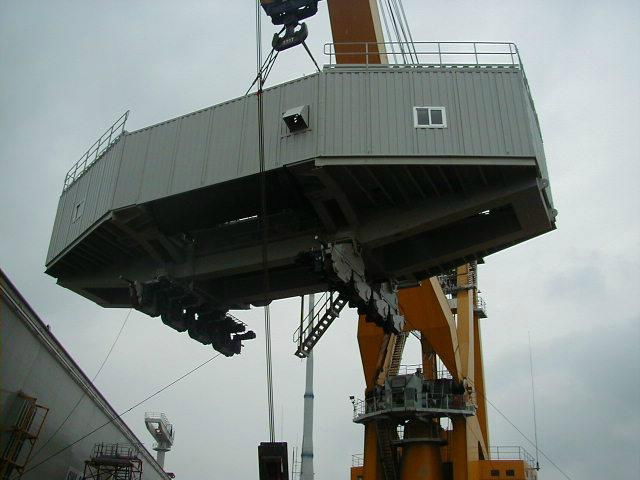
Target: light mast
{"x": 306, "y": 470}
{"x": 162, "y": 432}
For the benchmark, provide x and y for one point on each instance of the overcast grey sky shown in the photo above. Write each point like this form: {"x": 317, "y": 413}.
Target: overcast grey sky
{"x": 69, "y": 68}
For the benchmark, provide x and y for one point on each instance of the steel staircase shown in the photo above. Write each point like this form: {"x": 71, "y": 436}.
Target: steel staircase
{"x": 307, "y": 337}
{"x": 396, "y": 357}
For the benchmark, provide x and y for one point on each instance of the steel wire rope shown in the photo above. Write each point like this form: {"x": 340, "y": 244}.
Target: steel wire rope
{"x": 265, "y": 69}
{"x": 84, "y": 394}
{"x": 518, "y": 430}
{"x": 264, "y": 221}
{"x": 403, "y": 39}
{"x": 394, "y": 23}
{"x": 386, "y": 26}
{"x": 119, "y": 416}
{"x": 408, "y": 34}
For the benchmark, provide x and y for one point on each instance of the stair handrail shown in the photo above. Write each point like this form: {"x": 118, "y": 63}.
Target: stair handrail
{"x": 308, "y": 322}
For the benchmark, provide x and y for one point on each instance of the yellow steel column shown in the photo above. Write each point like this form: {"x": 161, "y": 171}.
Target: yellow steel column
{"x": 465, "y": 304}
{"x": 463, "y": 448}
{"x": 373, "y": 346}
{"x": 426, "y": 309}
{"x": 357, "y": 22}
{"x": 372, "y": 467}
{"x": 421, "y": 461}
{"x": 479, "y": 388}
{"x": 458, "y": 449}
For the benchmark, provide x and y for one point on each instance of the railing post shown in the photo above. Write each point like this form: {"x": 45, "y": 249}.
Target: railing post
{"x": 475, "y": 52}
{"x": 439, "y": 54}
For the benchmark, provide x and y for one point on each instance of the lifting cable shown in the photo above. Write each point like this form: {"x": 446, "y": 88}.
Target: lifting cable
{"x": 117, "y": 417}
{"x": 399, "y": 36}
{"x": 263, "y": 70}
{"x": 77, "y": 404}
{"x": 263, "y": 215}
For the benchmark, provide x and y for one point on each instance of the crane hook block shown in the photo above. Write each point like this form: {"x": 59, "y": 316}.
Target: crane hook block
{"x": 289, "y": 13}
{"x": 293, "y": 36}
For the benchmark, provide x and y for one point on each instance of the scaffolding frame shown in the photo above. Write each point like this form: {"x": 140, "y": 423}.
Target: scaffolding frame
{"x": 116, "y": 461}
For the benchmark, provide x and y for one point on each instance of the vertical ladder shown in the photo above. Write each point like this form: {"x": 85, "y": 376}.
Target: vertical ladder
{"x": 316, "y": 327}
{"x": 386, "y": 434}
{"x": 24, "y": 432}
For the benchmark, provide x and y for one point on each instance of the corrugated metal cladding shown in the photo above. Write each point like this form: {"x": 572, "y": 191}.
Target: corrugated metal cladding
{"x": 370, "y": 112}
{"x": 34, "y": 363}
{"x": 353, "y": 112}
{"x": 92, "y": 194}
{"x": 214, "y": 145}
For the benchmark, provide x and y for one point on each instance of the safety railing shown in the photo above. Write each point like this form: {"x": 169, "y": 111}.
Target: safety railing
{"x": 153, "y": 418}
{"x": 417, "y": 368}
{"x": 511, "y": 453}
{"x": 428, "y": 401}
{"x": 157, "y": 416}
{"x": 443, "y": 54}
{"x": 96, "y": 150}
{"x": 357, "y": 460}
{"x": 409, "y": 369}
{"x": 430, "y": 54}
{"x": 115, "y": 450}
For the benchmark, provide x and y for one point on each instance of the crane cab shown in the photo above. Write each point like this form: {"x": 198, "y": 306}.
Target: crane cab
{"x": 420, "y": 168}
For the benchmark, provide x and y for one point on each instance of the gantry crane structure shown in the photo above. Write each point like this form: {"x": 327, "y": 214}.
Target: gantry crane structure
{"x": 383, "y": 183}
{"x": 426, "y": 451}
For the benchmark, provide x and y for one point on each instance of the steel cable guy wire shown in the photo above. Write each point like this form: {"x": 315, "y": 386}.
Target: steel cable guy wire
{"x": 119, "y": 416}
{"x": 77, "y": 404}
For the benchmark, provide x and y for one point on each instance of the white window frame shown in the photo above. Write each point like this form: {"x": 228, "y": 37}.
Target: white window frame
{"x": 430, "y": 108}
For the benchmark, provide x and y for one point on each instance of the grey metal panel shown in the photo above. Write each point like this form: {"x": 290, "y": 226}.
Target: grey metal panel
{"x": 81, "y": 191}
{"x": 102, "y": 177}
{"x": 354, "y": 112}
{"x": 371, "y": 112}
{"x": 191, "y": 151}
{"x": 538, "y": 145}
{"x": 346, "y": 123}
{"x": 34, "y": 362}
{"x": 224, "y": 142}
{"x": 131, "y": 170}
{"x": 282, "y": 146}
{"x": 214, "y": 145}
{"x": 109, "y": 179}
{"x": 54, "y": 243}
{"x": 159, "y": 161}
{"x": 96, "y": 187}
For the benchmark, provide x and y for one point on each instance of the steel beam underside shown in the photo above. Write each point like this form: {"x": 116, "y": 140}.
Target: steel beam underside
{"x": 412, "y": 221}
